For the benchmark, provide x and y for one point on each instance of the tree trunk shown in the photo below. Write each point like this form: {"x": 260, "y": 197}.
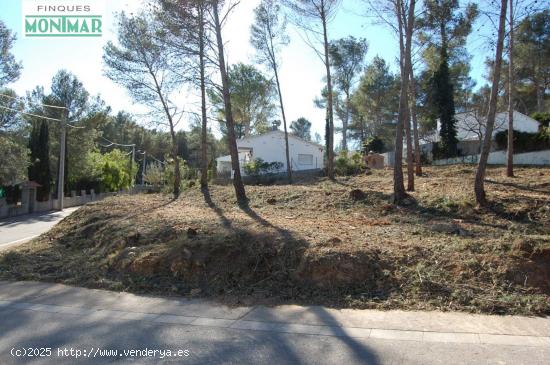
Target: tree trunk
{"x": 283, "y": 114}
{"x": 510, "y": 149}
{"x": 417, "y": 157}
{"x": 410, "y": 163}
{"x": 345, "y": 123}
{"x": 177, "y": 172}
{"x": 479, "y": 188}
{"x": 398, "y": 187}
{"x": 204, "y": 130}
{"x": 231, "y": 139}
{"x": 330, "y": 113}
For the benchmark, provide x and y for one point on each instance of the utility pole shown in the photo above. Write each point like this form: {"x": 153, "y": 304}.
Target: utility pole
{"x": 62, "y": 152}
{"x": 132, "y": 165}
{"x": 143, "y": 168}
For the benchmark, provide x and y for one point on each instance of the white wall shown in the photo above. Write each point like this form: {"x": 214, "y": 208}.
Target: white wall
{"x": 499, "y": 158}
{"x": 270, "y": 147}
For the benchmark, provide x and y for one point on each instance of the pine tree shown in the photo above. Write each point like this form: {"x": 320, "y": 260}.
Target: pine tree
{"x": 39, "y": 170}
{"x": 444, "y": 102}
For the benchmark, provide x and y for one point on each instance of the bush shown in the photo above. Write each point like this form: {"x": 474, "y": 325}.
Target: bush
{"x": 524, "y": 141}
{"x": 542, "y": 118}
{"x": 374, "y": 144}
{"x": 346, "y": 165}
{"x": 260, "y": 167}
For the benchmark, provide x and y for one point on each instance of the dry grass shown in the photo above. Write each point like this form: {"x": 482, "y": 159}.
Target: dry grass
{"x": 314, "y": 243}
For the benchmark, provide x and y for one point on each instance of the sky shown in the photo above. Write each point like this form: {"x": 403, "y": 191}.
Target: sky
{"x": 301, "y": 70}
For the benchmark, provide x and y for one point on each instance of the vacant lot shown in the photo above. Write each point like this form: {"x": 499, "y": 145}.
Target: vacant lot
{"x": 334, "y": 243}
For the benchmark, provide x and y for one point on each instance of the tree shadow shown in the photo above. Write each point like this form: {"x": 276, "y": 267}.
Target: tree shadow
{"x": 219, "y": 212}
{"x": 518, "y": 186}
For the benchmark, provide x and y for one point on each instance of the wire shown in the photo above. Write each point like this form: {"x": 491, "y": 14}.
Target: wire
{"x": 39, "y": 116}
{"x": 46, "y": 105}
{"x": 116, "y": 144}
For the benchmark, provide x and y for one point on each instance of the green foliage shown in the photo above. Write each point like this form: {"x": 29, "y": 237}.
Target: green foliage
{"x": 301, "y": 128}
{"x": 15, "y": 160}
{"x": 374, "y": 144}
{"x": 260, "y": 167}
{"x": 10, "y": 120}
{"x": 349, "y": 164}
{"x": 188, "y": 175}
{"x": 375, "y": 104}
{"x": 252, "y": 100}
{"x": 542, "y": 118}
{"x": 39, "y": 170}
{"x": 524, "y": 141}
{"x": 443, "y": 99}
{"x": 10, "y": 69}
{"x": 116, "y": 174}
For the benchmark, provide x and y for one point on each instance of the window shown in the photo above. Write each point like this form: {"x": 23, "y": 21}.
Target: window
{"x": 305, "y": 159}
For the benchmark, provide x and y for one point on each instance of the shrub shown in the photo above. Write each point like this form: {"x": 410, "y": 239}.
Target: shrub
{"x": 542, "y": 118}
{"x": 346, "y": 165}
{"x": 524, "y": 141}
{"x": 374, "y": 144}
{"x": 259, "y": 167}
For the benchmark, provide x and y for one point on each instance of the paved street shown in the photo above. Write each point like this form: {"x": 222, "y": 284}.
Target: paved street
{"x": 23, "y": 228}
{"x": 72, "y": 326}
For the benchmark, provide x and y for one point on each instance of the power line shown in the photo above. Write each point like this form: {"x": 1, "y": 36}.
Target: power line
{"x": 116, "y": 144}
{"x": 46, "y": 105}
{"x": 38, "y": 116}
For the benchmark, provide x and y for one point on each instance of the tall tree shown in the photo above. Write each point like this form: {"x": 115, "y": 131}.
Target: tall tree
{"x": 10, "y": 69}
{"x": 510, "y": 147}
{"x": 314, "y": 16}
{"x": 405, "y": 19}
{"x": 533, "y": 56}
{"x": 228, "y": 112}
{"x": 39, "y": 170}
{"x": 375, "y": 104}
{"x": 348, "y": 57}
{"x": 479, "y": 186}
{"x": 188, "y": 38}
{"x": 141, "y": 64}
{"x": 252, "y": 97}
{"x": 444, "y": 29}
{"x": 301, "y": 127}
{"x": 268, "y": 37}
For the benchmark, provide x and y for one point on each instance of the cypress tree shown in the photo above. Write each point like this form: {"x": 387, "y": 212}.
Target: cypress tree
{"x": 39, "y": 170}
{"x": 445, "y": 106}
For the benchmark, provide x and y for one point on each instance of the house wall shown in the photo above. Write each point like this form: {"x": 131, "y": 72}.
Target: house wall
{"x": 468, "y": 122}
{"x": 270, "y": 147}
{"x": 538, "y": 158}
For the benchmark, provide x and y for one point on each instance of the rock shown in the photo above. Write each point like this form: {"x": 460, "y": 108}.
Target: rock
{"x": 445, "y": 228}
{"x": 271, "y": 201}
{"x": 192, "y": 232}
{"x": 357, "y": 195}
{"x": 334, "y": 241}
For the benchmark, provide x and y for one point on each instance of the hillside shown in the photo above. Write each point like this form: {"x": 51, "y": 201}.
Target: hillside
{"x": 319, "y": 242}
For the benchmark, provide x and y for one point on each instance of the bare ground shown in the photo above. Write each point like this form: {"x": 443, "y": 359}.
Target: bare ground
{"x": 318, "y": 242}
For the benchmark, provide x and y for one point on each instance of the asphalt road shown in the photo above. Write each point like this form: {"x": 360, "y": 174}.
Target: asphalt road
{"x": 20, "y": 229}
{"x": 64, "y": 325}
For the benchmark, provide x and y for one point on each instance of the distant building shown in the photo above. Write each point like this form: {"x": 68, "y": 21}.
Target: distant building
{"x": 270, "y": 147}
{"x": 471, "y": 126}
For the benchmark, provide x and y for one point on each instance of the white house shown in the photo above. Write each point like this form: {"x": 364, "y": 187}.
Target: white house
{"x": 471, "y": 126}
{"x": 270, "y": 147}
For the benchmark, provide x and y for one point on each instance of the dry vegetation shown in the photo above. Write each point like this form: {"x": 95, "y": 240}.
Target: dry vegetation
{"x": 333, "y": 243}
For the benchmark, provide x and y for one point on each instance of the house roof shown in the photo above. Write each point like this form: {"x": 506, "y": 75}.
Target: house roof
{"x": 243, "y": 149}
{"x": 290, "y": 135}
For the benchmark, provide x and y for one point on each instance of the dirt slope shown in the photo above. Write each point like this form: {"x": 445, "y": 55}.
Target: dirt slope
{"x": 335, "y": 243}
